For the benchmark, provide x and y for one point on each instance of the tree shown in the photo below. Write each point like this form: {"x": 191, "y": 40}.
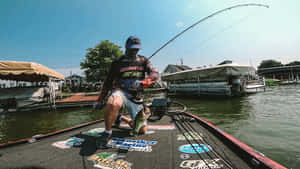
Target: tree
{"x": 269, "y": 63}
{"x": 294, "y": 63}
{"x": 98, "y": 59}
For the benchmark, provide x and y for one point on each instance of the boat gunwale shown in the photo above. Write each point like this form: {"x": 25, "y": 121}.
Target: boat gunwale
{"x": 42, "y": 136}
{"x": 249, "y": 153}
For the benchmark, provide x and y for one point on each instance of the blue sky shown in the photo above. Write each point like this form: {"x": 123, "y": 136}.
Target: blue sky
{"x": 57, "y": 33}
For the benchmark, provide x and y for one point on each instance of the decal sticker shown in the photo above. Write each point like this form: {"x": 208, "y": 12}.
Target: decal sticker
{"x": 74, "y": 140}
{"x": 61, "y": 144}
{"x": 200, "y": 148}
{"x": 153, "y": 127}
{"x": 132, "y": 74}
{"x": 109, "y": 161}
{"x": 131, "y": 145}
{"x": 65, "y": 144}
{"x": 112, "y": 156}
{"x": 94, "y": 132}
{"x": 202, "y": 164}
{"x": 185, "y": 156}
{"x": 190, "y": 136}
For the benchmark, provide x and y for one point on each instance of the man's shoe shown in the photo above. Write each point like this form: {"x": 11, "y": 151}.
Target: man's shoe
{"x": 101, "y": 141}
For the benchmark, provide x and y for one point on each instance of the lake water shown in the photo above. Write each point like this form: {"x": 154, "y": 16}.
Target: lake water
{"x": 268, "y": 121}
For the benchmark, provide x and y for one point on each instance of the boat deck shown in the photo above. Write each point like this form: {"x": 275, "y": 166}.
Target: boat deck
{"x": 163, "y": 147}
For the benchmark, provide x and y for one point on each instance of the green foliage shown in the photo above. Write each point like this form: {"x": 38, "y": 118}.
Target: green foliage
{"x": 294, "y": 63}
{"x": 269, "y": 63}
{"x": 98, "y": 59}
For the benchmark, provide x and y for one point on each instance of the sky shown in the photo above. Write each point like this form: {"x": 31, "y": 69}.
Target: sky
{"x": 57, "y": 33}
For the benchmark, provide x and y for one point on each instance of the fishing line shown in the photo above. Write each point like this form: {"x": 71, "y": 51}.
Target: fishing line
{"x": 195, "y": 140}
{"x": 178, "y": 112}
{"x": 203, "y": 19}
{"x": 179, "y": 128}
{"x": 217, "y": 154}
{"x": 83, "y": 162}
{"x": 228, "y": 164}
{"x": 223, "y": 30}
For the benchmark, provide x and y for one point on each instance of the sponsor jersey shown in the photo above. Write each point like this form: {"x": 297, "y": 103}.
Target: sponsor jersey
{"x": 128, "y": 73}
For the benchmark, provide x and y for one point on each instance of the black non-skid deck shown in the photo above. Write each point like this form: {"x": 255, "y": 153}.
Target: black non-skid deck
{"x": 162, "y": 148}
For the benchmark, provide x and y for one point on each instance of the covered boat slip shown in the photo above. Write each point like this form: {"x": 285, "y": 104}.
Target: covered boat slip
{"x": 226, "y": 80}
{"x": 176, "y": 141}
{"x": 17, "y": 97}
{"x": 217, "y": 73}
{"x": 27, "y": 71}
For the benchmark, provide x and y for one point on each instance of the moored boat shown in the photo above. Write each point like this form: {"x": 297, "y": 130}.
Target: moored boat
{"x": 226, "y": 79}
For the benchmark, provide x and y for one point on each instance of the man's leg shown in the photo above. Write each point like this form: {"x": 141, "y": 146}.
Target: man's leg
{"x": 111, "y": 110}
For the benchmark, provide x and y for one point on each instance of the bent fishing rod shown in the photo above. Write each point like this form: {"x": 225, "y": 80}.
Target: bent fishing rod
{"x": 203, "y": 19}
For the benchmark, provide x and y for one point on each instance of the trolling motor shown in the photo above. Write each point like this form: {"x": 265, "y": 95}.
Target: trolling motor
{"x": 159, "y": 108}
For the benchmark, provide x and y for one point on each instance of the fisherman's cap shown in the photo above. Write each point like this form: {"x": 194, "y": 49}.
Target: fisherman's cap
{"x": 133, "y": 42}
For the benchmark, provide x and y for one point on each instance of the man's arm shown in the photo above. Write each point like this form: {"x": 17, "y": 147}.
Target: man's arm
{"x": 107, "y": 85}
{"x": 152, "y": 74}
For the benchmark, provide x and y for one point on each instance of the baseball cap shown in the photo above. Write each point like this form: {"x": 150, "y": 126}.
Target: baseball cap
{"x": 133, "y": 43}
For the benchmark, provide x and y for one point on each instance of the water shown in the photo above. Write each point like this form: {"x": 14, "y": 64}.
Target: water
{"x": 269, "y": 121}
{"x": 14, "y": 126}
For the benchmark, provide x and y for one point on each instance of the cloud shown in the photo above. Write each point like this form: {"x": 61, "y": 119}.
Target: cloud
{"x": 179, "y": 24}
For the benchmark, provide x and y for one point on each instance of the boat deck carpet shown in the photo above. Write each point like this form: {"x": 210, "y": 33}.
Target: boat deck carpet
{"x": 166, "y": 148}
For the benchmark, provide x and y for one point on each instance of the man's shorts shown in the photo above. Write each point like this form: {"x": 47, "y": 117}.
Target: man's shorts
{"x": 132, "y": 108}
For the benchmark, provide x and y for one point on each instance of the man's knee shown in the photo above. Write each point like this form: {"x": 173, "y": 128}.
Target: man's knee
{"x": 115, "y": 102}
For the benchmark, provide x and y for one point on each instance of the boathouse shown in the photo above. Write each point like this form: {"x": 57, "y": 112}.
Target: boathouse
{"x": 289, "y": 73}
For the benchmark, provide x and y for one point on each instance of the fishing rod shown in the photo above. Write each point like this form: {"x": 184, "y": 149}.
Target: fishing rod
{"x": 203, "y": 19}
{"x": 188, "y": 130}
{"x": 190, "y": 143}
{"x": 183, "y": 125}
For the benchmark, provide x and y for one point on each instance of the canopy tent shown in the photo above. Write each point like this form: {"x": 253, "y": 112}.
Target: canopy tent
{"x": 27, "y": 71}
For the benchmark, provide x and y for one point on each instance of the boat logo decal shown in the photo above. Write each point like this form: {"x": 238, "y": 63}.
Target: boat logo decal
{"x": 65, "y": 144}
{"x": 185, "y": 156}
{"x": 200, "y": 148}
{"x": 131, "y": 145}
{"x": 94, "y": 132}
{"x": 154, "y": 127}
{"x": 109, "y": 160}
{"x": 202, "y": 164}
{"x": 190, "y": 136}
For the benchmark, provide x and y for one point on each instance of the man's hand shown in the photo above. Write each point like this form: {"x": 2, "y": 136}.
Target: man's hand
{"x": 147, "y": 82}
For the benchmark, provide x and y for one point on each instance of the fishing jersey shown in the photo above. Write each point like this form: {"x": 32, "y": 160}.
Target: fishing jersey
{"x": 127, "y": 75}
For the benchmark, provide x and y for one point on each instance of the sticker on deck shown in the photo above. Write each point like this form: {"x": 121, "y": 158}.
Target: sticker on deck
{"x": 65, "y": 144}
{"x": 185, "y": 156}
{"x": 109, "y": 161}
{"x": 131, "y": 145}
{"x": 61, "y": 144}
{"x": 194, "y": 148}
{"x": 202, "y": 164}
{"x": 190, "y": 136}
{"x": 94, "y": 132}
{"x": 153, "y": 127}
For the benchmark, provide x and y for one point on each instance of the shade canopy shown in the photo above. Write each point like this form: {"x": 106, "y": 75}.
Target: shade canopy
{"x": 215, "y": 73}
{"x": 27, "y": 71}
